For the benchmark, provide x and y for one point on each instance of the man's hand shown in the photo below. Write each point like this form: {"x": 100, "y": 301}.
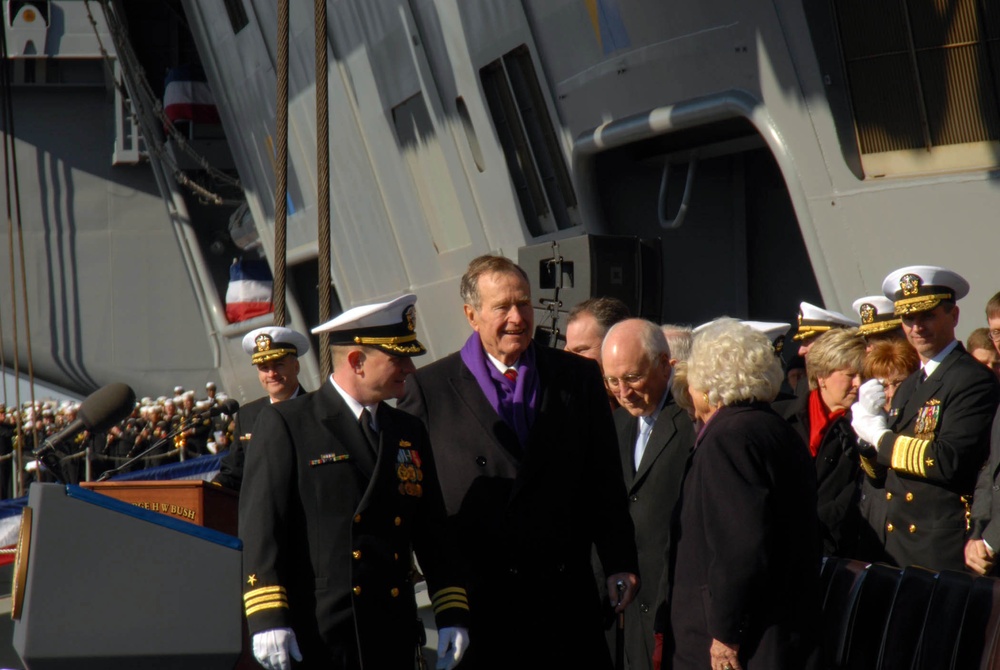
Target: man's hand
{"x": 274, "y": 648}
{"x": 871, "y": 396}
{"x": 978, "y": 557}
{"x": 452, "y": 643}
{"x": 724, "y": 656}
{"x": 631, "y": 584}
{"x": 869, "y": 426}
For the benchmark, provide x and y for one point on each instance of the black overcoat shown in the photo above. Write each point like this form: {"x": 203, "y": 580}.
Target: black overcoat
{"x": 838, "y": 479}
{"x": 746, "y": 549}
{"x": 653, "y": 491}
{"x": 527, "y": 519}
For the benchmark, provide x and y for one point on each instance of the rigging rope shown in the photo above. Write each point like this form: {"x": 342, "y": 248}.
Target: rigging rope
{"x": 281, "y": 176}
{"x": 323, "y": 185}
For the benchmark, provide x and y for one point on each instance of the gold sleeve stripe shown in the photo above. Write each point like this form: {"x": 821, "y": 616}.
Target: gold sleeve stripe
{"x": 448, "y": 592}
{"x": 267, "y": 597}
{"x": 267, "y": 602}
{"x": 448, "y": 606}
{"x": 264, "y": 590}
{"x": 267, "y": 606}
{"x": 453, "y": 599}
{"x": 908, "y": 455}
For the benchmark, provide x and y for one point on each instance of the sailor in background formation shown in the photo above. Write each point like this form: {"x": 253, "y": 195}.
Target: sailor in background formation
{"x": 340, "y": 489}
{"x": 181, "y": 420}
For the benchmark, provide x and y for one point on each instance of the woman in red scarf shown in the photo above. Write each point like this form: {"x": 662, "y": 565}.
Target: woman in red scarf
{"x": 822, "y": 418}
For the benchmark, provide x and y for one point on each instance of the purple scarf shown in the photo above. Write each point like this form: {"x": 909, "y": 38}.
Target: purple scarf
{"x": 507, "y": 397}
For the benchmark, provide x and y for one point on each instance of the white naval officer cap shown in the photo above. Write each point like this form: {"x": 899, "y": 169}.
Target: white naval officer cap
{"x": 390, "y": 326}
{"x": 919, "y": 288}
{"x": 273, "y": 342}
{"x": 776, "y": 331}
{"x": 815, "y": 320}
{"x": 877, "y": 315}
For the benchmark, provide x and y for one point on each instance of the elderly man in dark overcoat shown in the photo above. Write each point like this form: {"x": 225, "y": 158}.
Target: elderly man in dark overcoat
{"x": 528, "y": 460}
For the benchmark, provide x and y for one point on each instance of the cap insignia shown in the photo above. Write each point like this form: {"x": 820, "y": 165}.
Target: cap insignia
{"x": 868, "y": 313}
{"x": 800, "y": 316}
{"x": 910, "y": 284}
{"x": 410, "y": 315}
{"x": 263, "y": 342}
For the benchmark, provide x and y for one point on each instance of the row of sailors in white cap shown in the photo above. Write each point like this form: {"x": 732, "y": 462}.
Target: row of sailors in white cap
{"x": 907, "y": 290}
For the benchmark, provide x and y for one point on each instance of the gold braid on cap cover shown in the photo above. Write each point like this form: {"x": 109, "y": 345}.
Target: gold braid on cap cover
{"x": 392, "y": 343}
{"x": 920, "y": 303}
{"x": 806, "y": 331}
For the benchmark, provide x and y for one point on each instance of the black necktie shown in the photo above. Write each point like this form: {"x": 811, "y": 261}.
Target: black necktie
{"x": 366, "y": 427}
{"x": 923, "y": 376}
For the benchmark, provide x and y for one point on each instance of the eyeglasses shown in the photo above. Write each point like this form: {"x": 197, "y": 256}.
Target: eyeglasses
{"x": 995, "y": 335}
{"x": 630, "y": 381}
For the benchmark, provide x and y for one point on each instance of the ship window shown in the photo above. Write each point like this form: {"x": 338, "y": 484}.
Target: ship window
{"x": 237, "y": 15}
{"x": 923, "y": 79}
{"x": 530, "y": 144}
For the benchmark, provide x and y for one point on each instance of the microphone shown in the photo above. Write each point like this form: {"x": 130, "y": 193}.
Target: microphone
{"x": 100, "y": 410}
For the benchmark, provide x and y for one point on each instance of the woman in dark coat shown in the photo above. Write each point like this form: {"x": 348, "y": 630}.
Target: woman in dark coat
{"x": 746, "y": 557}
{"x": 823, "y": 421}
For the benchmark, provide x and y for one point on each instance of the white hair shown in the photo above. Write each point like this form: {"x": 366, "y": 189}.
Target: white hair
{"x": 732, "y": 362}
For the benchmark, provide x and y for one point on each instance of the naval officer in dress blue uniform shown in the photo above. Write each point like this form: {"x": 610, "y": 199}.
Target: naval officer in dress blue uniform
{"x": 936, "y": 435}
{"x": 340, "y": 487}
{"x": 274, "y": 351}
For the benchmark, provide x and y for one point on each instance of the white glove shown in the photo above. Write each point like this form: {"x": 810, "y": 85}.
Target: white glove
{"x": 273, "y": 647}
{"x": 872, "y": 396}
{"x": 869, "y": 426}
{"x": 452, "y": 643}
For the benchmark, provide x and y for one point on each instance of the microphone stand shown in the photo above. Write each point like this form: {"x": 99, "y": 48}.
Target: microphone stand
{"x": 186, "y": 424}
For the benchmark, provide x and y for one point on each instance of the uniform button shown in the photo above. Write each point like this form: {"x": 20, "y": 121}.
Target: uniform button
{"x": 394, "y": 592}
{"x": 357, "y": 518}
{"x": 481, "y": 461}
{"x": 888, "y": 495}
{"x": 397, "y": 521}
{"x": 889, "y": 527}
{"x": 633, "y": 498}
{"x": 357, "y": 590}
{"x": 909, "y": 497}
{"x": 644, "y": 608}
{"x": 913, "y": 528}
{"x": 356, "y": 554}
{"x": 395, "y": 556}
{"x": 513, "y": 571}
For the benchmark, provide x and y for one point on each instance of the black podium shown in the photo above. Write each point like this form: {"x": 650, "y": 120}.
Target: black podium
{"x": 100, "y": 583}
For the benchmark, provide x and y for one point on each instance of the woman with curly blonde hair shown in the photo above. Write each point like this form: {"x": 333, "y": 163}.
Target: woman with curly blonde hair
{"x": 746, "y": 566}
